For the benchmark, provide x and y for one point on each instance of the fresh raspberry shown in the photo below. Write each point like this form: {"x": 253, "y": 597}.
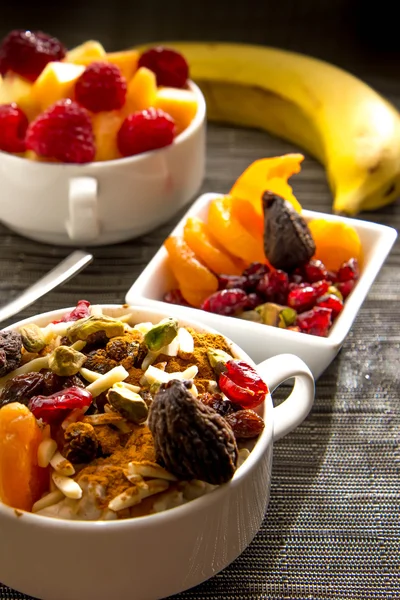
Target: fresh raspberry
{"x": 101, "y": 87}
{"x": 169, "y": 66}
{"x": 64, "y": 132}
{"x": 13, "y": 126}
{"x": 28, "y": 52}
{"x": 145, "y": 130}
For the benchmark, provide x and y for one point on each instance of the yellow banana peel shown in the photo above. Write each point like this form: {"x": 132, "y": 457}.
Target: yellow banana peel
{"x": 352, "y": 130}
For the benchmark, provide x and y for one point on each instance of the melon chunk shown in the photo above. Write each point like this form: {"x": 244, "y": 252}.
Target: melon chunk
{"x": 105, "y": 128}
{"x": 142, "y": 90}
{"x": 126, "y": 61}
{"x": 14, "y": 88}
{"x": 56, "y": 81}
{"x": 86, "y": 53}
{"x": 180, "y": 104}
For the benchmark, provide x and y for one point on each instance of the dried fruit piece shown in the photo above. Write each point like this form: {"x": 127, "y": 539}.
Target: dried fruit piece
{"x": 13, "y": 126}
{"x": 81, "y": 443}
{"x": 331, "y": 301}
{"x": 335, "y": 242}
{"x": 169, "y": 66}
{"x": 144, "y": 131}
{"x": 191, "y": 439}
{"x": 245, "y": 212}
{"x": 226, "y": 302}
{"x": 161, "y": 334}
{"x": 348, "y": 271}
{"x": 63, "y": 132}
{"x": 84, "y": 328}
{"x": 316, "y": 321}
{"x": 242, "y": 384}
{"x": 10, "y": 351}
{"x": 28, "y": 52}
{"x": 81, "y": 310}
{"x": 221, "y": 405}
{"x": 53, "y": 408}
{"x": 246, "y": 424}
{"x": 345, "y": 287}
{"x": 274, "y": 286}
{"x": 21, "y": 388}
{"x": 175, "y": 297}
{"x": 302, "y": 298}
{"x": 314, "y": 270}
{"x": 32, "y": 338}
{"x": 22, "y": 481}
{"x": 101, "y": 87}
{"x": 287, "y": 240}
{"x": 254, "y": 273}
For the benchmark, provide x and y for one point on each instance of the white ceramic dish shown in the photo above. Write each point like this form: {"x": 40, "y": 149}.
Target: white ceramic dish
{"x": 103, "y": 202}
{"x": 152, "y": 557}
{"x": 263, "y": 341}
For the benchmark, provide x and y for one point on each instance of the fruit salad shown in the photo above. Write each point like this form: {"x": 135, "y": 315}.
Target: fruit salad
{"x": 255, "y": 257}
{"x": 102, "y": 418}
{"x": 86, "y": 104}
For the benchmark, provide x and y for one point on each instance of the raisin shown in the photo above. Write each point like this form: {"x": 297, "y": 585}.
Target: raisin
{"x": 147, "y": 397}
{"x": 217, "y": 402}
{"x": 81, "y": 443}
{"x": 54, "y": 383}
{"x": 10, "y": 351}
{"x": 21, "y": 388}
{"x": 246, "y": 424}
{"x": 191, "y": 439}
{"x": 119, "y": 348}
{"x": 98, "y": 361}
{"x": 288, "y": 242}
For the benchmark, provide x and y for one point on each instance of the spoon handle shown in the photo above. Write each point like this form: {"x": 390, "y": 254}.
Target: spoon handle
{"x": 67, "y": 268}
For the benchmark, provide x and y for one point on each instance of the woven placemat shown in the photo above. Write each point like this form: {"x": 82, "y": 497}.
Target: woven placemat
{"x": 332, "y": 527}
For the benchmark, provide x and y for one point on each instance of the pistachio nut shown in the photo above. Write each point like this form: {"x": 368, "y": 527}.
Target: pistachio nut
{"x": 217, "y": 359}
{"x": 251, "y": 315}
{"x": 33, "y": 338}
{"x": 66, "y": 361}
{"x": 83, "y": 328}
{"x": 332, "y": 289}
{"x": 276, "y": 315}
{"x": 161, "y": 335}
{"x": 130, "y": 405}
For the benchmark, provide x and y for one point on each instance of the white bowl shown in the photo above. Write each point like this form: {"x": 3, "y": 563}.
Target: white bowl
{"x": 262, "y": 341}
{"x": 103, "y": 202}
{"x": 152, "y": 557}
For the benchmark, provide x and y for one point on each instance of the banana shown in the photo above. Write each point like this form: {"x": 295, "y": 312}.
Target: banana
{"x": 341, "y": 121}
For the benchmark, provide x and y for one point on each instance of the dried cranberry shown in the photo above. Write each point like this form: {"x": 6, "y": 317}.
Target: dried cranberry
{"x": 175, "y": 297}
{"x": 80, "y": 311}
{"x": 274, "y": 286}
{"x": 316, "y": 321}
{"x": 331, "y": 301}
{"x": 28, "y": 52}
{"x": 254, "y": 273}
{"x": 228, "y": 282}
{"x": 296, "y": 278}
{"x": 242, "y": 384}
{"x": 345, "y": 287}
{"x": 331, "y": 276}
{"x": 55, "y": 407}
{"x": 169, "y": 66}
{"x": 146, "y": 130}
{"x": 297, "y": 286}
{"x": 314, "y": 270}
{"x": 226, "y": 302}
{"x": 349, "y": 271}
{"x": 13, "y": 126}
{"x": 302, "y": 299}
{"x": 253, "y": 300}
{"x": 321, "y": 287}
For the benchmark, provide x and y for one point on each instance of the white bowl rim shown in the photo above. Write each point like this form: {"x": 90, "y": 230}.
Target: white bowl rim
{"x": 194, "y": 125}
{"x": 209, "y": 498}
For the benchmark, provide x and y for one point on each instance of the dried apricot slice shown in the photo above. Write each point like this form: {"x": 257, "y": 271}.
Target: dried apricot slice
{"x": 231, "y": 234}
{"x": 22, "y": 481}
{"x": 196, "y": 282}
{"x": 268, "y": 174}
{"x": 246, "y": 214}
{"x": 336, "y": 242}
{"x": 198, "y": 238}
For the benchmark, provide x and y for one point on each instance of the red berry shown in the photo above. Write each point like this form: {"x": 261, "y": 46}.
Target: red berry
{"x": 169, "y": 66}
{"x": 302, "y": 298}
{"x": 79, "y": 312}
{"x": 13, "y": 126}
{"x": 101, "y": 87}
{"x": 316, "y": 321}
{"x": 28, "y": 52}
{"x": 226, "y": 302}
{"x": 314, "y": 270}
{"x": 242, "y": 384}
{"x": 253, "y": 300}
{"x": 332, "y": 276}
{"x": 331, "y": 301}
{"x": 345, "y": 287}
{"x": 144, "y": 131}
{"x": 175, "y": 297}
{"x": 227, "y": 282}
{"x": 64, "y": 132}
{"x": 349, "y": 271}
{"x": 274, "y": 286}
{"x": 254, "y": 273}
{"x": 321, "y": 287}
{"x": 55, "y": 407}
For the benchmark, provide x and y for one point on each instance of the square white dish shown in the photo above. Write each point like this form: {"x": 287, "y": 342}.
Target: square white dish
{"x": 264, "y": 341}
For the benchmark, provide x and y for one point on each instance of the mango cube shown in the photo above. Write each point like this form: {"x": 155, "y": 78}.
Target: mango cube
{"x": 86, "y": 53}
{"x": 56, "y": 81}
{"x": 142, "y": 90}
{"x": 180, "y": 104}
{"x": 105, "y": 129}
{"x": 126, "y": 61}
{"x": 14, "y": 88}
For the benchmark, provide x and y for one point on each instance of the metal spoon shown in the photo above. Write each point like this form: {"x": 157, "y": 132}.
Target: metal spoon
{"x": 70, "y": 266}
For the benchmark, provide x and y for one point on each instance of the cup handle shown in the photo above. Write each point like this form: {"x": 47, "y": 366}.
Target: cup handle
{"x": 290, "y": 413}
{"x": 83, "y": 223}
